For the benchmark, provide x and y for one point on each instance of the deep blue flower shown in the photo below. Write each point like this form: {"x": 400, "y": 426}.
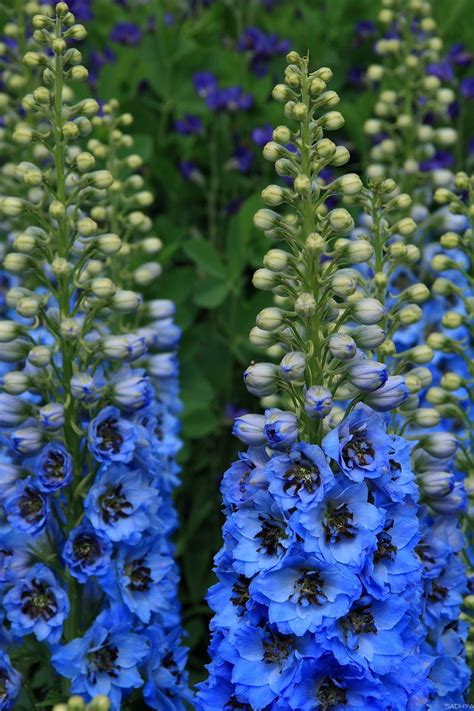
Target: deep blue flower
{"x": 112, "y": 438}
{"x": 262, "y": 135}
{"x": 343, "y": 528}
{"x": 190, "y": 125}
{"x": 301, "y": 478}
{"x": 140, "y": 579}
{"x": 106, "y": 659}
{"x": 467, "y": 88}
{"x": 87, "y": 553}
{"x": 242, "y": 158}
{"x": 127, "y": 33}
{"x": 122, "y": 503}
{"x": 441, "y": 69}
{"x": 359, "y": 445}
{"x": 458, "y": 54}
{"x": 37, "y": 605}
{"x": 204, "y": 83}
{"x": 27, "y": 508}
{"x": 54, "y": 467}
{"x": 245, "y": 477}
{"x": 249, "y": 429}
{"x": 10, "y": 683}
{"x": 166, "y": 685}
{"x": 304, "y": 596}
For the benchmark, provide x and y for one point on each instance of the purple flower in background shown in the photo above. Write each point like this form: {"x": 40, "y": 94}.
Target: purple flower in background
{"x": 458, "y": 54}
{"x": 242, "y": 159}
{"x": 127, "y": 33}
{"x": 190, "y": 171}
{"x": 356, "y": 77}
{"x": 262, "y": 48}
{"x": 189, "y": 125}
{"x": 262, "y": 135}
{"x": 204, "y": 83}
{"x": 363, "y": 31}
{"x": 231, "y": 98}
{"x": 439, "y": 161}
{"x": 443, "y": 70}
{"x": 97, "y": 61}
{"x": 467, "y": 88}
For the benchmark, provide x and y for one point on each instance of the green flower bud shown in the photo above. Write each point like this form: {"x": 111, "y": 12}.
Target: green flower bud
{"x": 450, "y": 240}
{"x": 381, "y": 279}
{"x": 300, "y": 111}
{"x": 85, "y": 162}
{"x": 331, "y": 121}
{"x": 452, "y": 381}
{"x": 151, "y": 245}
{"x": 77, "y": 32}
{"x": 126, "y": 301}
{"x": 452, "y": 319}
{"x": 58, "y": 45}
{"x": 442, "y": 196}
{"x": 24, "y": 243}
{"x": 302, "y": 185}
{"x": 397, "y": 251}
{"x": 78, "y": 73}
{"x": 341, "y": 220}
{"x": 32, "y": 59}
{"x": 317, "y": 86}
{"x": 410, "y": 314}
{"x": 343, "y": 284}
{"x": 276, "y": 260}
{"x": 265, "y": 279}
{"x": 146, "y": 273}
{"x": 265, "y": 219}
{"x": 102, "y": 287}
{"x": 61, "y": 267}
{"x": 100, "y": 179}
{"x": 272, "y": 151}
{"x": 349, "y": 184}
{"x": 282, "y": 134}
{"x": 260, "y": 338}
{"x": 426, "y": 417}
{"x": 22, "y": 135}
{"x": 413, "y": 383}
{"x": 76, "y": 703}
{"x": 11, "y": 206}
{"x": 89, "y": 107}
{"x": 57, "y": 210}
{"x": 270, "y": 319}
{"x": 28, "y": 307}
{"x": 324, "y": 73}
{"x": 446, "y": 136}
{"x": 70, "y": 131}
{"x": 315, "y": 244}
{"x": 327, "y": 99}
{"x": 421, "y": 354}
{"x": 9, "y": 330}
{"x": 359, "y": 251}
{"x": 325, "y": 148}
{"x": 412, "y": 253}
{"x": 109, "y": 243}
{"x": 372, "y": 127}
{"x": 424, "y": 376}
{"x": 100, "y": 703}
{"x": 39, "y": 356}
{"x": 305, "y": 305}
{"x": 281, "y": 93}
{"x": 341, "y": 156}
{"x": 86, "y": 227}
{"x": 70, "y": 328}
{"x": 405, "y": 227}
{"x": 273, "y": 195}
{"x": 16, "y": 382}
{"x": 15, "y": 262}
{"x": 60, "y": 707}
{"x": 367, "y": 311}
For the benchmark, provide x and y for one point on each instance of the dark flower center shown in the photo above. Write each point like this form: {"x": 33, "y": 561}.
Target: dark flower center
{"x": 103, "y": 661}
{"x": 139, "y": 575}
{"x": 241, "y": 591}
{"x": 39, "y": 601}
{"x": 270, "y": 534}
{"x": 302, "y": 476}
{"x": 109, "y": 433}
{"x": 3, "y": 685}
{"x": 277, "y": 647}
{"x": 338, "y": 524}
{"x": 86, "y": 548}
{"x": 358, "y": 451}
{"x": 438, "y": 592}
{"x": 31, "y": 505}
{"x": 235, "y": 705}
{"x": 54, "y": 466}
{"x": 309, "y": 586}
{"x": 114, "y": 505}
{"x": 423, "y": 550}
{"x": 386, "y": 550}
{"x": 329, "y": 695}
{"x": 359, "y": 620}
{"x": 395, "y": 469}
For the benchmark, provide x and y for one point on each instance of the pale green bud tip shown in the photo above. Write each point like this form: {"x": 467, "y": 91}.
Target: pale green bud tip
{"x": 100, "y": 703}
{"x": 76, "y": 703}
{"x": 305, "y": 305}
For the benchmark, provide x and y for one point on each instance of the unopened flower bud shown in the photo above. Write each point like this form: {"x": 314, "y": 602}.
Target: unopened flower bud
{"x": 126, "y": 301}
{"x": 300, "y": 111}
{"x": 315, "y": 244}
{"x": 359, "y": 251}
{"x": 15, "y": 382}
{"x": 260, "y": 338}
{"x": 15, "y": 262}
{"x": 292, "y": 367}
{"x": 305, "y": 305}
{"x": 22, "y": 135}
{"x": 276, "y": 260}
{"x": 264, "y": 279}
{"x": 146, "y": 273}
{"x": 273, "y": 195}
{"x": 282, "y": 134}
{"x": 281, "y": 93}
{"x": 270, "y": 318}
{"x": 317, "y": 402}
{"x": 57, "y": 210}
{"x": 332, "y": 121}
{"x": 410, "y": 314}
{"x": 265, "y": 219}
{"x": 85, "y": 162}
{"x": 151, "y": 245}
{"x": 109, "y": 243}
{"x": 302, "y": 185}
{"x": 249, "y": 429}
{"x": 367, "y": 311}
{"x": 39, "y": 356}
{"x": 426, "y": 417}
{"x": 11, "y": 206}
{"x": 261, "y": 378}
{"x": 350, "y": 184}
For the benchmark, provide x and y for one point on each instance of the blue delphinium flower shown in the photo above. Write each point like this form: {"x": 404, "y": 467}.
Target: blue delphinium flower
{"x": 111, "y": 437}
{"x": 87, "y": 553}
{"x": 53, "y": 467}
{"x": 126, "y": 33}
{"x": 10, "y": 682}
{"x": 28, "y": 507}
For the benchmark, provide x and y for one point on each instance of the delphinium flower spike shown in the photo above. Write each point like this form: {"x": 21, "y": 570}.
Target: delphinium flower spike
{"x": 319, "y": 591}
{"x": 87, "y": 570}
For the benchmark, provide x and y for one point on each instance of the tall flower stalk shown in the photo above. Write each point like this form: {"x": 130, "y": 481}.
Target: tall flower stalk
{"x": 89, "y": 439}
{"x": 322, "y": 573}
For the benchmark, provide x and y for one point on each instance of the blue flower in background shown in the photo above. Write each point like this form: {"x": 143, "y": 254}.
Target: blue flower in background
{"x": 106, "y": 659}
{"x": 189, "y": 125}
{"x": 127, "y": 33}
{"x": 37, "y": 605}
{"x": 10, "y": 683}
{"x": 166, "y": 683}
{"x": 87, "y": 553}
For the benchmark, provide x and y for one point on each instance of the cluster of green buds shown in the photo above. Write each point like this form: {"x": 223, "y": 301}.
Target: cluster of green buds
{"x": 124, "y": 212}
{"x": 453, "y": 287}
{"x": 327, "y": 323}
{"x": 77, "y": 703}
{"x": 409, "y": 93}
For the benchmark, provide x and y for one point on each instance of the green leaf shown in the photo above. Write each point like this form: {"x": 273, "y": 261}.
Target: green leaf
{"x": 205, "y": 255}
{"x": 211, "y": 293}
{"x": 199, "y": 423}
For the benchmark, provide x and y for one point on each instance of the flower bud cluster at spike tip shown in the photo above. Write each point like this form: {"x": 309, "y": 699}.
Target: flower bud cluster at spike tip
{"x": 320, "y": 586}
{"x": 89, "y": 409}
{"x": 411, "y": 129}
